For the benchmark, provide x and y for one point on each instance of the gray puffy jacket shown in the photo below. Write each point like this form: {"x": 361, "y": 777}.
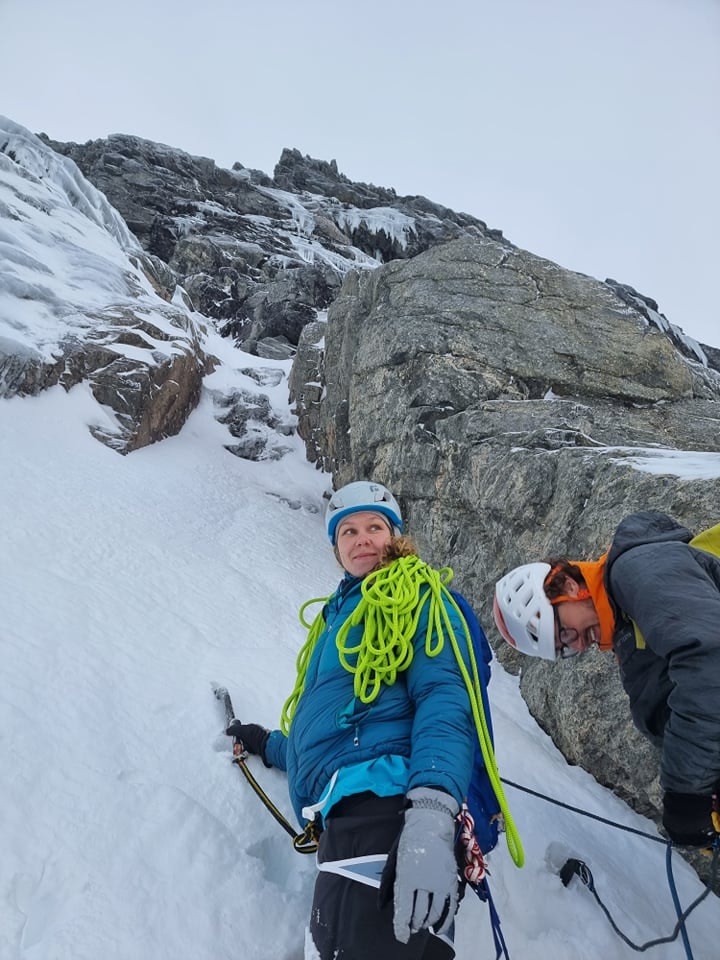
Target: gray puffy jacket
{"x": 672, "y": 592}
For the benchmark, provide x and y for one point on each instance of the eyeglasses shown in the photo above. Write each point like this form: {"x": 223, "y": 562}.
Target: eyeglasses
{"x": 569, "y": 642}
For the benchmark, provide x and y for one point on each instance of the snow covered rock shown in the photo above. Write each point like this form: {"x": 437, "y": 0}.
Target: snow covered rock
{"x": 261, "y": 255}
{"x": 79, "y": 299}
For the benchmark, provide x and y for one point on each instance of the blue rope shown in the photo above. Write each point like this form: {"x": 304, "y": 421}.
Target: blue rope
{"x": 676, "y": 902}
{"x": 501, "y": 949}
{"x": 577, "y": 867}
{"x": 482, "y": 889}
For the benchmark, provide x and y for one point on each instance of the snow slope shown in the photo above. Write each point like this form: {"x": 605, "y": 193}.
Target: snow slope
{"x": 129, "y": 586}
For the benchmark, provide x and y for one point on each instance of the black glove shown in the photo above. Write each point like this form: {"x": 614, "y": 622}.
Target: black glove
{"x": 253, "y": 736}
{"x": 688, "y": 819}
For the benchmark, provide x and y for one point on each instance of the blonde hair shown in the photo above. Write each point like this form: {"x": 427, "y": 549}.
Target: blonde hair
{"x": 400, "y": 546}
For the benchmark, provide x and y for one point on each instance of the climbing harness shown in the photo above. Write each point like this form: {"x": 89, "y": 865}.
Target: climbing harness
{"x": 305, "y": 842}
{"x": 574, "y": 867}
{"x": 474, "y": 863}
{"x": 393, "y": 599}
{"x": 474, "y": 871}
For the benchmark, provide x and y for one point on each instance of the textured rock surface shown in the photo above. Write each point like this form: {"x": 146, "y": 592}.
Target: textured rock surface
{"x": 261, "y": 255}
{"x": 511, "y": 405}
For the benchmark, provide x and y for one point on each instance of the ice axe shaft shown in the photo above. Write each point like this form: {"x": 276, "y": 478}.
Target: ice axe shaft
{"x": 305, "y": 842}
{"x": 231, "y": 720}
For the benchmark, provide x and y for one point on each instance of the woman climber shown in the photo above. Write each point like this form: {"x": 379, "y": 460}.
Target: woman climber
{"x": 378, "y": 740}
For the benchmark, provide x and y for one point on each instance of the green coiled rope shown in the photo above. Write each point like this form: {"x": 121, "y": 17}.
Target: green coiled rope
{"x": 392, "y": 602}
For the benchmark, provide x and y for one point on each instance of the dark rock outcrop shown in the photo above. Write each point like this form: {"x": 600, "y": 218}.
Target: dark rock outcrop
{"x": 260, "y": 255}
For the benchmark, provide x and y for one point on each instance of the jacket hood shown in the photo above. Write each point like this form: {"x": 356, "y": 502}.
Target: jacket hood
{"x": 647, "y": 526}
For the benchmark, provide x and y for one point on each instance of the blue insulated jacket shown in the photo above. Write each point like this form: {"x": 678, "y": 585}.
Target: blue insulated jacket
{"x": 424, "y": 716}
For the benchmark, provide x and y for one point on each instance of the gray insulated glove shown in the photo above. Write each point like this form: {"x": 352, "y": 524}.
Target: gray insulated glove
{"x": 425, "y": 891}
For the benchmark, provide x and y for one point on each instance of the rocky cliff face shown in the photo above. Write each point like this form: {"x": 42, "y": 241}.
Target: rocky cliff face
{"x": 260, "y": 255}
{"x": 518, "y": 409}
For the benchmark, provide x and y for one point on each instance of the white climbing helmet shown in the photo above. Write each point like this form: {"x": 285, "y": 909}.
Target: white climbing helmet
{"x": 362, "y": 495}
{"x": 523, "y": 614}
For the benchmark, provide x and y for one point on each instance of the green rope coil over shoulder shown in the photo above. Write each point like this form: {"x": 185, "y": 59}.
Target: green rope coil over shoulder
{"x": 392, "y": 602}
{"x": 303, "y": 659}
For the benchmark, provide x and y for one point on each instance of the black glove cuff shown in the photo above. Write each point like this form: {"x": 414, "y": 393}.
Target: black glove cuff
{"x": 688, "y": 818}
{"x": 689, "y": 806}
{"x": 263, "y": 744}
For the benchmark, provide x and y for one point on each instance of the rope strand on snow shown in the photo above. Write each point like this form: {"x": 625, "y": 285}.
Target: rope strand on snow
{"x": 574, "y": 867}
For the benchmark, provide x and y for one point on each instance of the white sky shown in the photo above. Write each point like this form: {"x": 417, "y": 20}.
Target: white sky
{"x": 129, "y": 587}
{"x": 589, "y": 133}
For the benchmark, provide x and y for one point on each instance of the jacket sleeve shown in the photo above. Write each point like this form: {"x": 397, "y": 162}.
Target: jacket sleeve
{"x": 443, "y": 733}
{"x": 276, "y": 749}
{"x": 669, "y": 591}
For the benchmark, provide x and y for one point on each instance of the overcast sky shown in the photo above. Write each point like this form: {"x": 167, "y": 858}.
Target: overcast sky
{"x": 588, "y": 132}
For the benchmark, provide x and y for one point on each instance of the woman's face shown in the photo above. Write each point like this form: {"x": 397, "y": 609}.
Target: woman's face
{"x": 578, "y": 627}
{"x": 361, "y": 539}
